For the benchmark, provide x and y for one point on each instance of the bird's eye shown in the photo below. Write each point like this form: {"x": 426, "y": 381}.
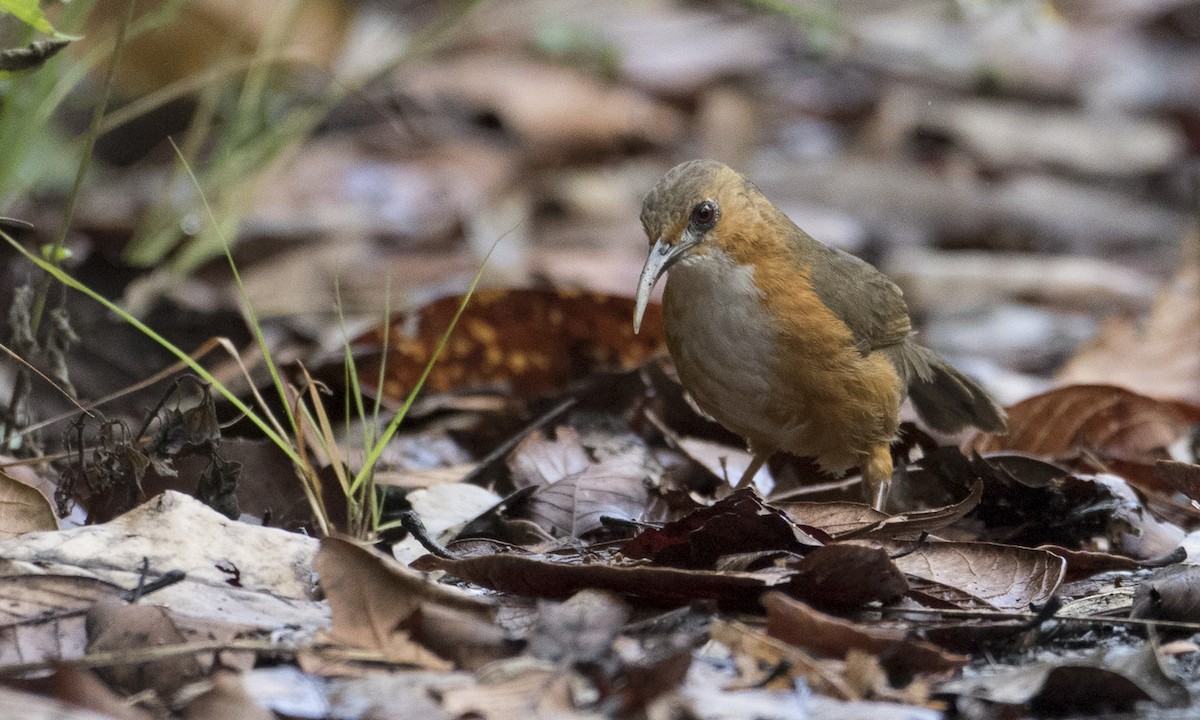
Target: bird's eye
{"x": 704, "y": 214}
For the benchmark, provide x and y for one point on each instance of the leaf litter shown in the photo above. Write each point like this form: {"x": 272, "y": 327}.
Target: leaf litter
{"x": 586, "y": 557}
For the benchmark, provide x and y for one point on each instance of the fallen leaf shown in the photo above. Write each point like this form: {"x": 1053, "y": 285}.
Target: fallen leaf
{"x": 1182, "y": 477}
{"x": 554, "y": 111}
{"x": 774, "y": 660}
{"x": 382, "y": 606}
{"x": 740, "y": 523}
{"x": 177, "y": 532}
{"x": 795, "y": 622}
{"x": 23, "y": 508}
{"x": 845, "y": 576}
{"x": 582, "y": 629}
{"x": 529, "y": 341}
{"x": 1003, "y": 576}
{"x": 1106, "y": 419}
{"x": 42, "y": 616}
{"x": 1158, "y": 358}
{"x": 1095, "y": 685}
{"x": 573, "y": 493}
{"x": 114, "y": 626}
{"x": 550, "y": 577}
{"x": 1169, "y": 594}
{"x": 79, "y": 688}
{"x": 225, "y": 699}
{"x": 844, "y": 520}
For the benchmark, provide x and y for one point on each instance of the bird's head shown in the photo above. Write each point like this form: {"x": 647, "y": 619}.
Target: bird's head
{"x": 687, "y": 215}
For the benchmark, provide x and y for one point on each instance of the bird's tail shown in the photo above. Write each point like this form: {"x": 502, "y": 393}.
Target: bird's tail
{"x": 947, "y": 400}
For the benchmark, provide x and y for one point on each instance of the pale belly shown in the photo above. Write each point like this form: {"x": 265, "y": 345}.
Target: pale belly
{"x": 724, "y": 346}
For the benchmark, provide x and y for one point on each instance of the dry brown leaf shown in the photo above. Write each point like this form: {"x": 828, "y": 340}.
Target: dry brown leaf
{"x": 531, "y": 341}
{"x": 114, "y": 626}
{"x": 543, "y": 576}
{"x": 1106, "y": 419}
{"x": 381, "y": 606}
{"x": 61, "y": 600}
{"x": 845, "y": 519}
{"x": 226, "y": 699}
{"x": 795, "y": 622}
{"x": 1182, "y": 477}
{"x": 1161, "y": 358}
{"x": 574, "y": 492}
{"x": 553, "y": 111}
{"x": 1169, "y": 594}
{"x": 764, "y": 656}
{"x": 845, "y": 576}
{"x": 1003, "y": 576}
{"x": 23, "y": 508}
{"x": 79, "y": 688}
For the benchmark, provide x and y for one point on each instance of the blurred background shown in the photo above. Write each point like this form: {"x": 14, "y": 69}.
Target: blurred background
{"x": 1025, "y": 169}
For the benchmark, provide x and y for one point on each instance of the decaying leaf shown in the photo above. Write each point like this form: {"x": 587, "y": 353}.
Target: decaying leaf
{"x": 740, "y": 523}
{"x": 848, "y": 520}
{"x": 1159, "y": 358}
{"x": 530, "y": 341}
{"x": 113, "y": 625}
{"x": 1180, "y": 476}
{"x": 23, "y": 508}
{"x": 572, "y": 491}
{"x": 1106, "y": 419}
{"x": 1003, "y": 576}
{"x": 381, "y": 606}
{"x": 803, "y": 626}
{"x": 1169, "y": 594}
{"x": 1102, "y": 683}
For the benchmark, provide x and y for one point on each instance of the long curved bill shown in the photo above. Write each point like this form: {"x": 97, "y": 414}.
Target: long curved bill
{"x": 662, "y": 256}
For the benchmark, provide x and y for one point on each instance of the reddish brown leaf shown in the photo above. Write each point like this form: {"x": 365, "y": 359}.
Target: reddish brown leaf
{"x": 531, "y": 341}
{"x": 542, "y": 576}
{"x": 737, "y": 524}
{"x": 1182, "y": 477}
{"x": 795, "y": 622}
{"x": 1101, "y": 418}
{"x": 1158, "y": 358}
{"x": 845, "y": 576}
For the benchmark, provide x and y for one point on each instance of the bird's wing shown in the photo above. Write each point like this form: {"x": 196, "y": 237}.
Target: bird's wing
{"x": 860, "y": 296}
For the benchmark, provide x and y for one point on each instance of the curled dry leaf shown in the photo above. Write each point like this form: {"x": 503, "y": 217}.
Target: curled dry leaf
{"x": 843, "y": 520}
{"x": 1106, "y": 419}
{"x": 795, "y": 622}
{"x": 531, "y": 341}
{"x": 543, "y": 576}
{"x": 573, "y": 492}
{"x": 381, "y": 606}
{"x": 740, "y": 523}
{"x": 1160, "y": 357}
{"x": 1003, "y": 576}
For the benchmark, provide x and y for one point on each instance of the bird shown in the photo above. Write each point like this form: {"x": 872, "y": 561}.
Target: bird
{"x": 795, "y": 345}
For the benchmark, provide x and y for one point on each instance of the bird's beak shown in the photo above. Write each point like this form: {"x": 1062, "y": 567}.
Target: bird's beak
{"x": 662, "y": 256}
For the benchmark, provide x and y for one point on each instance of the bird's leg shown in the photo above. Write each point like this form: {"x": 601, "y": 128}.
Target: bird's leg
{"x": 755, "y": 465}
{"x": 877, "y": 475}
